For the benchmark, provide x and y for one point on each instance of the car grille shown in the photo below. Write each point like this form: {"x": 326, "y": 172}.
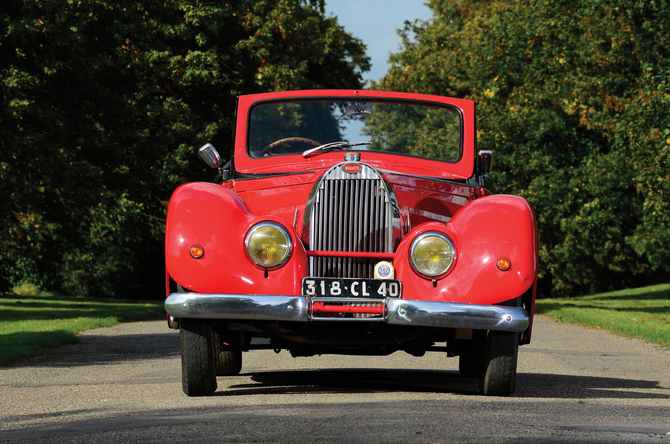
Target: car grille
{"x": 353, "y": 213}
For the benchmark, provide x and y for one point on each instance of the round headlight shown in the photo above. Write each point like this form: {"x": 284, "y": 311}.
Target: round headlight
{"x": 432, "y": 254}
{"x": 268, "y": 245}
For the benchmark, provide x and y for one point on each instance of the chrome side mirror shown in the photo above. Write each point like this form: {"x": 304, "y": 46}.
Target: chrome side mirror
{"x": 210, "y": 155}
{"x": 485, "y": 160}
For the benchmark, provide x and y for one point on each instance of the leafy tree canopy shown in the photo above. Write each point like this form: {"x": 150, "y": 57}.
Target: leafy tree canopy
{"x": 103, "y": 106}
{"x": 574, "y": 98}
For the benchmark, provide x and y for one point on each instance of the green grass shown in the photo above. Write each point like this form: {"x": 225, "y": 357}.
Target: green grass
{"x": 32, "y": 323}
{"x": 638, "y": 313}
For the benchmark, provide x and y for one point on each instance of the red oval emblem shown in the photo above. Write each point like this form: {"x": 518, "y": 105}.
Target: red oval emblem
{"x": 351, "y": 168}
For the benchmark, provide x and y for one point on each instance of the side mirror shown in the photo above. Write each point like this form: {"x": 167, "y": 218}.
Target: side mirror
{"x": 485, "y": 161}
{"x": 210, "y": 155}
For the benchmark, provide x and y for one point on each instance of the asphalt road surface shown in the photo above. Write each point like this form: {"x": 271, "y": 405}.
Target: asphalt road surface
{"x": 123, "y": 384}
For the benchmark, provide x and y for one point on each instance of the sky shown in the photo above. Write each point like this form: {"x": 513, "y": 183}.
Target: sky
{"x": 375, "y": 22}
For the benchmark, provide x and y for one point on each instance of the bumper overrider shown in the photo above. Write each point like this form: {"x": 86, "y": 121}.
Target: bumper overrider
{"x": 390, "y": 310}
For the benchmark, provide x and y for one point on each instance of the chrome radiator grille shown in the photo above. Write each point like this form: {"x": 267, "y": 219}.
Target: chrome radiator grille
{"x": 353, "y": 213}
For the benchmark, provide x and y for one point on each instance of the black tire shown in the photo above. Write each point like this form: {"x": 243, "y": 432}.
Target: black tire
{"x": 498, "y": 377}
{"x": 470, "y": 365}
{"x": 198, "y": 375}
{"x": 227, "y": 362}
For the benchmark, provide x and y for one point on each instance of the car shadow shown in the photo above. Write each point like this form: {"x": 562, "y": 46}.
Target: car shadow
{"x": 99, "y": 349}
{"x": 529, "y": 385}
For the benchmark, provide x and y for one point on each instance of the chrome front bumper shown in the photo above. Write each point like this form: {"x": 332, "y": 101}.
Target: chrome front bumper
{"x": 299, "y": 309}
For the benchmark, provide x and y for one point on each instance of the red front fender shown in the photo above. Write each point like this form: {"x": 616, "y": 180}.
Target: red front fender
{"x": 482, "y": 232}
{"x": 217, "y": 219}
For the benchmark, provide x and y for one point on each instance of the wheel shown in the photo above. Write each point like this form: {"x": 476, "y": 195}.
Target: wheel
{"x": 198, "y": 374}
{"x": 498, "y": 377}
{"x": 279, "y": 142}
{"x": 470, "y": 365}
{"x": 227, "y": 362}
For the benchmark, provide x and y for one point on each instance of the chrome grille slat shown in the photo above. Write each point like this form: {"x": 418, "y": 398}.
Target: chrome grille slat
{"x": 383, "y": 221}
{"x": 349, "y": 212}
{"x": 330, "y": 240}
{"x": 357, "y": 228}
{"x": 367, "y": 217}
{"x": 374, "y": 225}
{"x": 351, "y": 203}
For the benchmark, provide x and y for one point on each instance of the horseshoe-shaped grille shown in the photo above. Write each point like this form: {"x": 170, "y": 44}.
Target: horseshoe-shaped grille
{"x": 350, "y": 212}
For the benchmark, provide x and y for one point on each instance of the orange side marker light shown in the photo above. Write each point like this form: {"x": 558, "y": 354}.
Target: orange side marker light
{"x": 197, "y": 251}
{"x": 504, "y": 264}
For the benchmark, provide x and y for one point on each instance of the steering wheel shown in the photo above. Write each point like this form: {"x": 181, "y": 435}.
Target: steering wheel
{"x": 276, "y": 143}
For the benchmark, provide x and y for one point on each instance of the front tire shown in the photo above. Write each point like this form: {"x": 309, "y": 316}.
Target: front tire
{"x": 498, "y": 377}
{"x": 227, "y": 362}
{"x": 198, "y": 374}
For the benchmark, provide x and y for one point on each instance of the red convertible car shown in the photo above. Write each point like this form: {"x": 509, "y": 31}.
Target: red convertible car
{"x": 351, "y": 222}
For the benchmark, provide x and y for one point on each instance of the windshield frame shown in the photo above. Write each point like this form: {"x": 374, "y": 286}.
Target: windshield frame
{"x": 462, "y": 167}
{"x": 391, "y": 101}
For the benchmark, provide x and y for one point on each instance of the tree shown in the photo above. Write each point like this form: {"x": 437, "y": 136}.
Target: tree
{"x": 104, "y": 104}
{"x": 574, "y": 99}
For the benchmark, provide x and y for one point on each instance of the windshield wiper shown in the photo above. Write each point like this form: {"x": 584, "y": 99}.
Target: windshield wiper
{"x": 332, "y": 146}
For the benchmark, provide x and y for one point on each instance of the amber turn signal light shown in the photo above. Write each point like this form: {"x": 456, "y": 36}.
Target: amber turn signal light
{"x": 504, "y": 264}
{"x": 197, "y": 251}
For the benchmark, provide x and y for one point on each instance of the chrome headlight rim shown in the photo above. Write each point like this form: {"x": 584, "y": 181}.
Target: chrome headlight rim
{"x": 418, "y": 239}
{"x": 283, "y": 230}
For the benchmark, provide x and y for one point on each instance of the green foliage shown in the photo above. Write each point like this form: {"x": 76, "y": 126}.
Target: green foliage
{"x": 103, "y": 106}
{"x": 37, "y": 321}
{"x": 574, "y": 99}
{"x": 638, "y": 313}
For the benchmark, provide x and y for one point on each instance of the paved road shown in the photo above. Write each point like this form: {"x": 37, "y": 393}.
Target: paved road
{"x": 122, "y": 384}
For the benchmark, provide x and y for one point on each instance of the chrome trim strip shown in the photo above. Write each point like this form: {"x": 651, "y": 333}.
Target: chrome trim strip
{"x": 238, "y": 306}
{"x": 430, "y": 215}
{"x": 449, "y": 314}
{"x": 297, "y": 309}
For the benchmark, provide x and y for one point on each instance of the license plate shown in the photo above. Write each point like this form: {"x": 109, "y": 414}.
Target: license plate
{"x": 351, "y": 288}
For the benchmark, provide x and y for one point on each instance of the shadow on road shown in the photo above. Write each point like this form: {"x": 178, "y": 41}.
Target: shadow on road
{"x": 529, "y": 385}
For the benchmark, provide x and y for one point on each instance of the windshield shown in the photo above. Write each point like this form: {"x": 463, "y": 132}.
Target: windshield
{"x": 408, "y": 128}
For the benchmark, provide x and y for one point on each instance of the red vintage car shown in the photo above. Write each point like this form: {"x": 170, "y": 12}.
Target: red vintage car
{"x": 351, "y": 222}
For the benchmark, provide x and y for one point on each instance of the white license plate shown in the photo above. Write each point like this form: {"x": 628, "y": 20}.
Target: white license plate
{"x": 351, "y": 288}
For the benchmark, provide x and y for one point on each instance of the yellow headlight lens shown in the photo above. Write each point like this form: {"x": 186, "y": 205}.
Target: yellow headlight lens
{"x": 432, "y": 254}
{"x": 268, "y": 244}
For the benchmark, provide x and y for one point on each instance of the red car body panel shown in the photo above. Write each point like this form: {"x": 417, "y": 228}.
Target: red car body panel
{"x": 218, "y": 220}
{"x": 482, "y": 231}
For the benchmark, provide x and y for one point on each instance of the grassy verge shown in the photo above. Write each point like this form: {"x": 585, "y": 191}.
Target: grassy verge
{"x": 638, "y": 313}
{"x": 31, "y": 324}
